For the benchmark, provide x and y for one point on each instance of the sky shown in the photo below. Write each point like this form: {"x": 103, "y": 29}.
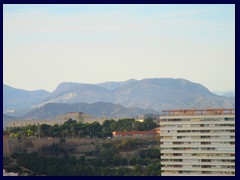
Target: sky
{"x": 44, "y": 45}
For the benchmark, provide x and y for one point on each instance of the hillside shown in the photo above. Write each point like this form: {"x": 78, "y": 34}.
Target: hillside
{"x": 100, "y": 109}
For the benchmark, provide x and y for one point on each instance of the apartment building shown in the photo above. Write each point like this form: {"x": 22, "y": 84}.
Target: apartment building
{"x": 198, "y": 142}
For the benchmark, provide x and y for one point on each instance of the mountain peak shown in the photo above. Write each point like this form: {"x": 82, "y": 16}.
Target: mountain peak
{"x": 150, "y": 93}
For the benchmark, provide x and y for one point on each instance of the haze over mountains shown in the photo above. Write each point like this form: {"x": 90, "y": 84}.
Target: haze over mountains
{"x": 21, "y": 99}
{"x": 153, "y": 94}
{"x": 229, "y": 93}
{"x": 7, "y": 118}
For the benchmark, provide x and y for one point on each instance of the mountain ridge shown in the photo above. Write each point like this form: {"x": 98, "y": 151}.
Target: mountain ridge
{"x": 149, "y": 93}
{"x": 21, "y": 98}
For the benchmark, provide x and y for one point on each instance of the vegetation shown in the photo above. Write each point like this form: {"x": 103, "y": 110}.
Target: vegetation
{"x": 107, "y": 159}
{"x": 108, "y": 162}
{"x": 72, "y": 128}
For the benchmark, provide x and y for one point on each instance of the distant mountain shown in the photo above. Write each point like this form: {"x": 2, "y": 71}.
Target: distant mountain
{"x": 21, "y": 99}
{"x": 115, "y": 85}
{"x": 77, "y": 92}
{"x": 230, "y": 93}
{"x": 100, "y": 109}
{"x": 153, "y": 93}
{"x": 156, "y": 93}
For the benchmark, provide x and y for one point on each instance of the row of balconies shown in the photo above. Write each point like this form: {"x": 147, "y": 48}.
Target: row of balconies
{"x": 199, "y": 169}
{"x": 199, "y": 143}
{"x": 217, "y": 149}
{"x": 200, "y": 157}
{"x": 197, "y": 174}
{"x": 187, "y": 132}
{"x": 196, "y": 145}
{"x": 198, "y": 124}
{"x": 195, "y": 121}
{"x": 199, "y": 151}
{"x": 166, "y": 128}
{"x": 198, "y": 134}
{"x": 198, "y": 116}
{"x": 197, "y": 138}
{"x": 197, "y": 163}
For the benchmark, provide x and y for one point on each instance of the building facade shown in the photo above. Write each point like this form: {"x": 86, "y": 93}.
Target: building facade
{"x": 198, "y": 142}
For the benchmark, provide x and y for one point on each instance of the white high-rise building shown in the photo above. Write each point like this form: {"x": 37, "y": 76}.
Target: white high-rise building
{"x": 197, "y": 142}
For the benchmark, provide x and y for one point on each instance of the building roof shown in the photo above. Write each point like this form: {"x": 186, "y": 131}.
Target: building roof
{"x": 209, "y": 111}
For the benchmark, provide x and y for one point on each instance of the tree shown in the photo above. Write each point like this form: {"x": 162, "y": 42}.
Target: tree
{"x": 44, "y": 130}
{"x": 150, "y": 153}
{"x": 94, "y": 129}
{"x": 149, "y": 124}
{"x": 106, "y": 128}
{"x": 138, "y": 170}
{"x": 30, "y": 132}
{"x": 128, "y": 144}
{"x": 153, "y": 169}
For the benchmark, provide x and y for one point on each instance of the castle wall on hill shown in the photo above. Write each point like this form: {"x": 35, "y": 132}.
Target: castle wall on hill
{"x": 12, "y": 145}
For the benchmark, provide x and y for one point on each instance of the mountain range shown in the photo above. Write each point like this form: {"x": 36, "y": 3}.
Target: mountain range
{"x": 155, "y": 94}
{"x": 15, "y": 99}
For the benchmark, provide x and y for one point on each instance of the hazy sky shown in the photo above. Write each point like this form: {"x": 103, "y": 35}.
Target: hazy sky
{"x": 44, "y": 45}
